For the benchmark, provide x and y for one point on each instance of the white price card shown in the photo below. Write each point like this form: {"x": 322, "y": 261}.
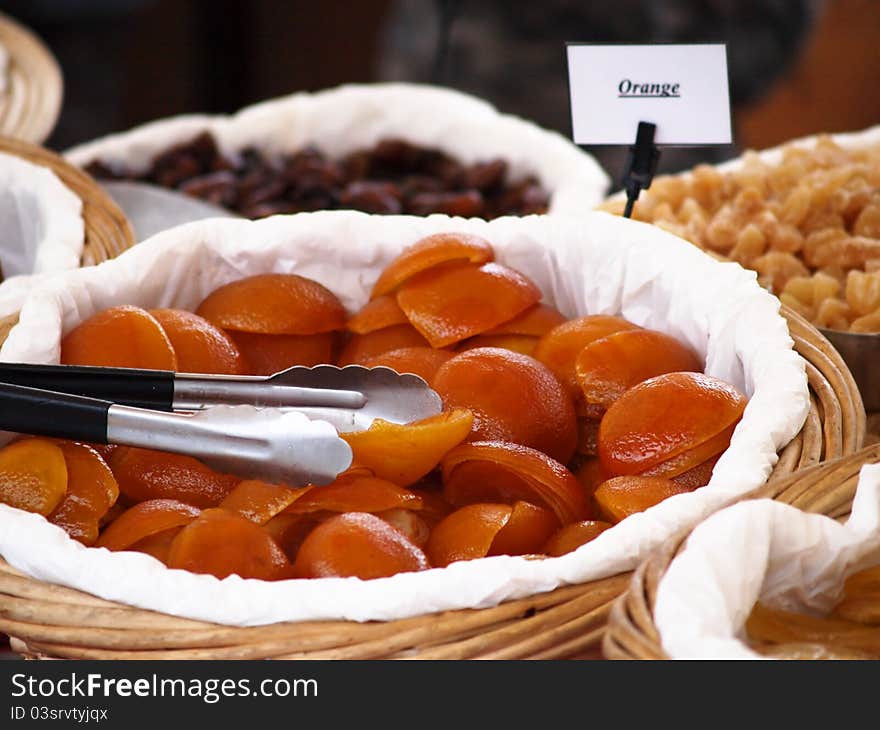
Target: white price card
{"x": 683, "y": 89}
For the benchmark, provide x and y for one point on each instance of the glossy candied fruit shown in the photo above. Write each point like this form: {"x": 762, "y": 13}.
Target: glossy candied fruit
{"x": 620, "y": 497}
{"x": 33, "y": 475}
{"x": 122, "y": 336}
{"x": 356, "y": 493}
{"x": 376, "y": 314}
{"x": 528, "y": 528}
{"x": 91, "y": 491}
{"x": 404, "y": 453}
{"x": 144, "y": 519}
{"x": 270, "y": 354}
{"x": 260, "y": 501}
{"x": 422, "y": 361}
{"x": 606, "y": 368}
{"x": 361, "y": 348}
{"x": 523, "y": 344}
{"x": 147, "y": 474}
{"x": 431, "y": 251}
{"x": 535, "y": 321}
{"x": 357, "y": 544}
{"x": 198, "y": 345}
{"x": 558, "y": 349}
{"x": 289, "y": 530}
{"x": 450, "y": 303}
{"x": 274, "y": 304}
{"x": 467, "y": 533}
{"x": 697, "y": 476}
{"x": 157, "y": 545}
{"x": 569, "y": 538}
{"x": 665, "y": 416}
{"x": 497, "y": 471}
{"x": 409, "y": 522}
{"x": 221, "y": 544}
{"x": 513, "y": 398}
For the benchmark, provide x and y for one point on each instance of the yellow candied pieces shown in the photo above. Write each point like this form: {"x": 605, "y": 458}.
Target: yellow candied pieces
{"x": 808, "y": 223}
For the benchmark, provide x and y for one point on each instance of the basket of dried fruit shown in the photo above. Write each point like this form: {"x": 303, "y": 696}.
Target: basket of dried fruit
{"x": 66, "y": 220}
{"x": 603, "y": 383}
{"x": 806, "y": 217}
{"x": 380, "y": 148}
{"x": 802, "y": 586}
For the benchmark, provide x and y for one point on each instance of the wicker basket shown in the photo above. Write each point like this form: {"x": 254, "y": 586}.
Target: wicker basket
{"x": 31, "y": 101}
{"x": 826, "y": 488}
{"x": 53, "y": 621}
{"x": 107, "y": 231}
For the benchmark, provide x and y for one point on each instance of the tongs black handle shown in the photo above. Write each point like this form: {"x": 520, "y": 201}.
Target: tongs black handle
{"x": 48, "y": 413}
{"x": 152, "y": 389}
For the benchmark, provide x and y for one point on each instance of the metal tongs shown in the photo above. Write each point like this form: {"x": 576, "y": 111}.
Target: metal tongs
{"x": 279, "y": 428}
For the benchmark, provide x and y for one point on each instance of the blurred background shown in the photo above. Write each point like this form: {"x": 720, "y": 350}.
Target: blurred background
{"x": 796, "y": 66}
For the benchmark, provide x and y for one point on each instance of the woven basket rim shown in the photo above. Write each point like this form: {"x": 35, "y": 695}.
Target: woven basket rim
{"x": 827, "y": 488}
{"x": 48, "y": 620}
{"x": 107, "y": 230}
{"x": 35, "y": 84}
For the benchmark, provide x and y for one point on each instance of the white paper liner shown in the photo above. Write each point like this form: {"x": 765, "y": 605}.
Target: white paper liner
{"x": 595, "y": 264}
{"x": 356, "y": 116}
{"x": 761, "y": 550}
{"x": 43, "y": 229}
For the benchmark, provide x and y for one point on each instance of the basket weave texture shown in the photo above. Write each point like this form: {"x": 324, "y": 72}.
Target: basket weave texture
{"x": 31, "y": 101}
{"x": 107, "y": 231}
{"x": 47, "y": 620}
{"x": 826, "y": 488}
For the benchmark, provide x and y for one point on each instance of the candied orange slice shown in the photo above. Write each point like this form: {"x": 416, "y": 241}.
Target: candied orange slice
{"x": 467, "y": 533}
{"x": 609, "y": 366}
{"x": 523, "y": 344}
{"x": 404, "y": 453}
{"x": 91, "y": 491}
{"x": 434, "y": 507}
{"x": 124, "y": 336}
{"x": 157, "y": 545}
{"x": 270, "y": 354}
{"x": 535, "y": 322}
{"x": 569, "y": 538}
{"x": 145, "y": 519}
{"x": 356, "y": 494}
{"x": 496, "y": 471}
{"x": 361, "y": 348}
{"x": 410, "y": 523}
{"x": 147, "y": 474}
{"x": 450, "y": 303}
{"x": 33, "y": 475}
{"x": 439, "y": 248}
{"x": 259, "y": 501}
{"x": 528, "y": 528}
{"x": 289, "y": 530}
{"x": 199, "y": 346}
{"x": 513, "y": 398}
{"x": 377, "y": 314}
{"x": 220, "y": 543}
{"x": 274, "y": 304}
{"x": 620, "y": 497}
{"x": 663, "y": 417}
{"x": 357, "y": 544}
{"x": 697, "y": 476}
{"x": 590, "y": 474}
{"x": 688, "y": 460}
{"x": 558, "y": 349}
{"x": 422, "y": 361}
